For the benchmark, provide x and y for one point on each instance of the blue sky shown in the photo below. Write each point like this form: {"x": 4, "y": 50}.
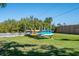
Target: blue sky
{"x": 61, "y": 13}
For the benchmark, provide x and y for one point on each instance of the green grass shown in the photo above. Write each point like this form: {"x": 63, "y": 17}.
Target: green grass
{"x": 67, "y": 40}
{"x": 59, "y": 40}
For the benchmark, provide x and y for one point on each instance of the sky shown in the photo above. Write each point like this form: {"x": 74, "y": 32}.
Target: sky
{"x": 60, "y": 12}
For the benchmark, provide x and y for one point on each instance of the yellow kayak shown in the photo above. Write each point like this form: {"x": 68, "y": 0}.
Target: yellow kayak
{"x": 33, "y": 34}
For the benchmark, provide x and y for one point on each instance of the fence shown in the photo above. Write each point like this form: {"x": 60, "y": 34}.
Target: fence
{"x": 73, "y": 29}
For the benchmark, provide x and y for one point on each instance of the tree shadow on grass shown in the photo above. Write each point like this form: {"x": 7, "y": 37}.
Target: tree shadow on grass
{"x": 68, "y": 39}
{"x": 10, "y": 49}
{"x": 53, "y": 51}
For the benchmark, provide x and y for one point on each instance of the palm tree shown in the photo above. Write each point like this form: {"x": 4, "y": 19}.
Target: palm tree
{"x": 48, "y": 22}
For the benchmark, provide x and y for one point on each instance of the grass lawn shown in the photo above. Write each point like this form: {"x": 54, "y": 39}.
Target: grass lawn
{"x": 58, "y": 40}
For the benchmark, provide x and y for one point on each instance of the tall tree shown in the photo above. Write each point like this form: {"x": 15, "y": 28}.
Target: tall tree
{"x": 47, "y": 22}
{"x": 11, "y": 25}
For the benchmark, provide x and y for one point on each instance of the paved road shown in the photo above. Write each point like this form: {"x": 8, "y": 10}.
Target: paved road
{"x": 11, "y": 34}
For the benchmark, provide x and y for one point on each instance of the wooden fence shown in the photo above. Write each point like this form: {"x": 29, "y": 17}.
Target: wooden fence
{"x": 73, "y": 29}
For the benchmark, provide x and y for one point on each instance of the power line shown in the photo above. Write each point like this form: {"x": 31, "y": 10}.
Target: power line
{"x": 67, "y": 12}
